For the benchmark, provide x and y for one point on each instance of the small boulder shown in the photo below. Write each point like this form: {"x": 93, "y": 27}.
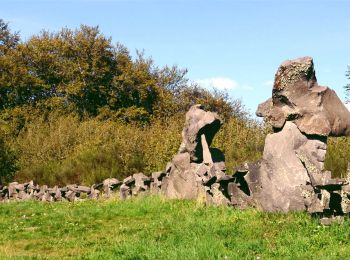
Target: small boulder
{"x": 83, "y": 189}
{"x": 125, "y": 191}
{"x": 142, "y": 183}
{"x": 70, "y": 195}
{"x": 93, "y": 194}
{"x": 129, "y": 180}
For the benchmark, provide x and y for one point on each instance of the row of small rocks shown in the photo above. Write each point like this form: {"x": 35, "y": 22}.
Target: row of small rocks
{"x": 130, "y": 186}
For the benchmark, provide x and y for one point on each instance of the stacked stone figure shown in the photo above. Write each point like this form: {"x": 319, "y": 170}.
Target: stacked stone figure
{"x": 198, "y": 171}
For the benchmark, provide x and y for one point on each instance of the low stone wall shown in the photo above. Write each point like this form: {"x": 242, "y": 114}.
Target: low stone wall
{"x": 130, "y": 186}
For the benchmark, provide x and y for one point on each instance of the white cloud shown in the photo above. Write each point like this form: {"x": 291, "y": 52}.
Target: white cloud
{"x": 326, "y": 70}
{"x": 218, "y": 82}
{"x": 247, "y": 87}
{"x": 268, "y": 83}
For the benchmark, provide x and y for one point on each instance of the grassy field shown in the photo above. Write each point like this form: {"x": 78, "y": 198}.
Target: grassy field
{"x": 155, "y": 228}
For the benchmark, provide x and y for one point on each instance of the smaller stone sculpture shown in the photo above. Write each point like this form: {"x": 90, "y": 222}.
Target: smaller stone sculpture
{"x": 197, "y": 171}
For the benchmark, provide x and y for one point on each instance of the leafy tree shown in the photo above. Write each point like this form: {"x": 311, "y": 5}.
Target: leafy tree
{"x": 8, "y": 40}
{"x": 134, "y": 85}
{"x": 81, "y": 71}
{"x": 71, "y": 66}
{"x": 347, "y": 87}
{"x": 217, "y": 101}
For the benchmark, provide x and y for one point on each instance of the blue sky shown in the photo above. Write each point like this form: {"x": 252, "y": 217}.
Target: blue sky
{"x": 234, "y": 44}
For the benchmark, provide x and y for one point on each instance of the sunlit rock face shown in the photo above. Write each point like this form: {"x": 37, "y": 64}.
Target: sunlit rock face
{"x": 291, "y": 176}
{"x": 282, "y": 173}
{"x": 297, "y": 97}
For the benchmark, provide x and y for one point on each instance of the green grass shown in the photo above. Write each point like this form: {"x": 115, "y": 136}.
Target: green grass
{"x": 155, "y": 228}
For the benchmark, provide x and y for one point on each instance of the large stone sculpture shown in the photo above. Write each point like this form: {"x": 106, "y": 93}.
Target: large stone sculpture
{"x": 291, "y": 176}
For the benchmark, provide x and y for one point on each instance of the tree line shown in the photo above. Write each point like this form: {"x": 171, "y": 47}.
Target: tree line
{"x": 81, "y": 71}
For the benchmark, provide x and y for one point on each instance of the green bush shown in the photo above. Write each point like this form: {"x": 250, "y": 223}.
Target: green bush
{"x": 66, "y": 150}
{"x": 8, "y": 162}
{"x": 241, "y": 140}
{"x": 338, "y": 156}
